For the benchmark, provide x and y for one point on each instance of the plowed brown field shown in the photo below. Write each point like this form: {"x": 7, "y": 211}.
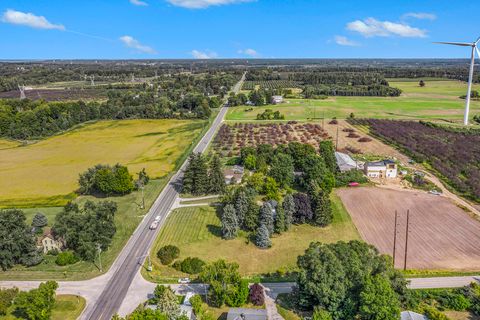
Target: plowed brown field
{"x": 442, "y": 236}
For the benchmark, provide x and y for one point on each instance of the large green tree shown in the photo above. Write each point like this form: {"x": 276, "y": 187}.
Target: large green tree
{"x": 167, "y": 302}
{"x": 327, "y": 152}
{"x": 226, "y": 285}
{"x": 266, "y": 217}
{"x": 378, "y": 301}
{"x": 36, "y": 304}
{"x": 86, "y": 228}
{"x": 195, "y": 179}
{"x": 289, "y": 210}
{"x": 282, "y": 170}
{"x": 17, "y": 244}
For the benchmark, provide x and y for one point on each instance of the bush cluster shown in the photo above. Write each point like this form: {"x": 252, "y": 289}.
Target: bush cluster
{"x": 168, "y": 254}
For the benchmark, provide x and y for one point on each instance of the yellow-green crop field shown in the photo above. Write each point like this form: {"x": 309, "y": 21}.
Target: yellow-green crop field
{"x": 45, "y": 173}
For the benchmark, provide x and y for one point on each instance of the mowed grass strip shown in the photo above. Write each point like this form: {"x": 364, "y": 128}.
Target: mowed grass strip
{"x": 46, "y": 173}
{"x": 197, "y": 232}
{"x": 437, "y": 100}
{"x": 67, "y": 307}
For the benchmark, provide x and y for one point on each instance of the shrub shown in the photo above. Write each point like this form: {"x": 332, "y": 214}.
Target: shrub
{"x": 256, "y": 295}
{"x": 365, "y": 139}
{"x": 39, "y": 220}
{"x": 106, "y": 180}
{"x": 66, "y": 258}
{"x": 333, "y": 121}
{"x": 353, "y": 135}
{"x": 167, "y": 254}
{"x": 433, "y": 314}
{"x": 190, "y": 265}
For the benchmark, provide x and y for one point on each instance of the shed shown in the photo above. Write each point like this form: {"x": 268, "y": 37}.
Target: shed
{"x": 345, "y": 162}
{"x": 410, "y": 315}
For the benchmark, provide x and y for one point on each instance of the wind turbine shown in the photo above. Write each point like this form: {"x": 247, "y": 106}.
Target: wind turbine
{"x": 470, "y": 75}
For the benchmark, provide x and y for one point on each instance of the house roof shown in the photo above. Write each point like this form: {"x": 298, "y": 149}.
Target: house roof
{"x": 410, "y": 315}
{"x": 381, "y": 163}
{"x": 247, "y": 314}
{"x": 345, "y": 162}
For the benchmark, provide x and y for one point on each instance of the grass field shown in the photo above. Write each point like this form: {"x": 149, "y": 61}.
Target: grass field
{"x": 437, "y": 100}
{"x": 196, "y": 231}
{"x": 67, "y": 307}
{"x": 46, "y": 173}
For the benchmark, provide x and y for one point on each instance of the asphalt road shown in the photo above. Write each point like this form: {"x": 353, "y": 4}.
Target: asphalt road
{"x": 133, "y": 255}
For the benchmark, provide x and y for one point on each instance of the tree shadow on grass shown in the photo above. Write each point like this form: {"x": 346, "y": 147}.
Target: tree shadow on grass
{"x": 215, "y": 230}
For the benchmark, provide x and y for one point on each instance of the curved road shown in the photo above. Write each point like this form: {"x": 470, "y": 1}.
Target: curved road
{"x": 133, "y": 255}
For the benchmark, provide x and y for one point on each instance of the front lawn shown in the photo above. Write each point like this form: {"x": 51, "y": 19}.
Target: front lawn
{"x": 196, "y": 231}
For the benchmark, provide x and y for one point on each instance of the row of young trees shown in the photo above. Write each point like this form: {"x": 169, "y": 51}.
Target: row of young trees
{"x": 203, "y": 175}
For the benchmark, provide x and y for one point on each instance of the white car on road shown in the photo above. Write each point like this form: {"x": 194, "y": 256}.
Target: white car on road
{"x": 154, "y": 225}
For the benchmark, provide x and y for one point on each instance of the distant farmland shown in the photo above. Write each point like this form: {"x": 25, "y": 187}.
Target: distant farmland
{"x": 45, "y": 173}
{"x": 442, "y": 236}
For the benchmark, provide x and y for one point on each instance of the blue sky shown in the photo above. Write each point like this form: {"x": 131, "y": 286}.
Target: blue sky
{"x": 137, "y": 29}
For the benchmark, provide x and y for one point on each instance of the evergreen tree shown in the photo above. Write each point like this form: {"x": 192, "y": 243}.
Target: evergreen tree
{"x": 242, "y": 203}
{"x": 280, "y": 220}
{"x": 201, "y": 176}
{"x": 323, "y": 209}
{"x": 229, "y": 222}
{"x": 289, "y": 210}
{"x": 216, "y": 177}
{"x": 167, "y": 302}
{"x": 321, "y": 314}
{"x": 266, "y": 217}
{"x": 250, "y": 223}
{"x": 189, "y": 174}
{"x": 262, "y": 238}
{"x": 39, "y": 220}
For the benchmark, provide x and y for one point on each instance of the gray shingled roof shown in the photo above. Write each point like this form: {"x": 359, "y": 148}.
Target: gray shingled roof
{"x": 410, "y": 315}
{"x": 247, "y": 314}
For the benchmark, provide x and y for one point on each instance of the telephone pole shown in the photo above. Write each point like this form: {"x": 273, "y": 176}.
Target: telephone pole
{"x": 395, "y": 238}
{"x": 406, "y": 240}
{"x": 99, "y": 250}
{"x": 336, "y": 144}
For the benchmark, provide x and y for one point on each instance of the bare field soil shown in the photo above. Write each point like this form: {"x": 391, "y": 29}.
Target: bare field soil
{"x": 442, "y": 236}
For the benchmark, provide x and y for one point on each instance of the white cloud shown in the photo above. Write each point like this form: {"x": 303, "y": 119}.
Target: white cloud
{"x": 138, "y": 3}
{"x": 203, "y": 54}
{"x": 420, "y": 15}
{"x": 201, "y": 4}
{"x": 372, "y": 27}
{"x": 249, "y": 52}
{"x": 135, "y": 44}
{"x": 29, "y": 20}
{"x": 344, "y": 41}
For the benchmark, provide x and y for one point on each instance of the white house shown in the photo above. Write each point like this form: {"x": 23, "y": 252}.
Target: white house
{"x": 48, "y": 243}
{"x": 277, "y": 99}
{"x": 381, "y": 169}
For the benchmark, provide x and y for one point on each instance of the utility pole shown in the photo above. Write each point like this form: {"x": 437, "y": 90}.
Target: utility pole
{"x": 336, "y": 144}
{"x": 99, "y": 251}
{"x": 395, "y": 238}
{"x": 143, "y": 197}
{"x": 323, "y": 121}
{"x": 406, "y": 240}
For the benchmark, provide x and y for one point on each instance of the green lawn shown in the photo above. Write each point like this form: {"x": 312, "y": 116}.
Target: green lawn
{"x": 67, "y": 307}
{"x": 437, "y": 100}
{"x": 196, "y": 231}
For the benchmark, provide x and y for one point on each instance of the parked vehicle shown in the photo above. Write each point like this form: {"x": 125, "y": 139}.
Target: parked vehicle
{"x": 184, "y": 280}
{"x": 435, "y": 192}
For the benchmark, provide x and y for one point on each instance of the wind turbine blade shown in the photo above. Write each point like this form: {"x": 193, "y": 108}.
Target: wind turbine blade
{"x": 478, "y": 52}
{"x": 461, "y": 44}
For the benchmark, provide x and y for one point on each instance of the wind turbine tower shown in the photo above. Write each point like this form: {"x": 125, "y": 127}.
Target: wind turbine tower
{"x": 92, "y": 80}
{"x": 474, "y": 46}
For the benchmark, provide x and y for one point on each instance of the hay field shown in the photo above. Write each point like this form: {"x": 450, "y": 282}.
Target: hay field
{"x": 46, "y": 173}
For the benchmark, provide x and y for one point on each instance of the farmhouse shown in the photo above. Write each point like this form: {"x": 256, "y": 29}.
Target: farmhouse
{"x": 48, "y": 243}
{"x": 381, "y": 169}
{"x": 246, "y": 314}
{"x": 345, "y": 162}
{"x": 276, "y": 99}
{"x": 234, "y": 174}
